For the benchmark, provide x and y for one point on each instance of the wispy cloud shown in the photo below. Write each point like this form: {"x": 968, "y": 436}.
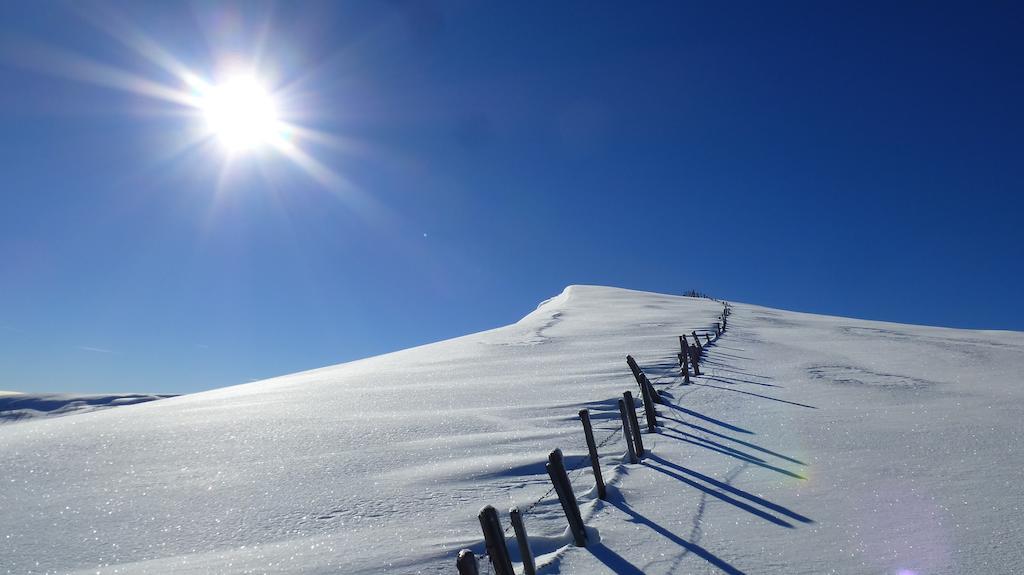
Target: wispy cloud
{"x": 95, "y": 349}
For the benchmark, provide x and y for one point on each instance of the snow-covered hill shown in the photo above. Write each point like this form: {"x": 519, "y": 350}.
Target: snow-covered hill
{"x": 16, "y": 406}
{"x": 812, "y": 444}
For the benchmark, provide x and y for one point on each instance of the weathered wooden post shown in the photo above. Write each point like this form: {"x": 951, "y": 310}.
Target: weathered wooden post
{"x": 634, "y": 424}
{"x": 626, "y": 433}
{"x": 695, "y": 360}
{"x": 494, "y": 539}
{"x": 595, "y": 463}
{"x": 466, "y": 563}
{"x": 633, "y": 367}
{"x": 560, "y": 479}
{"x": 707, "y": 337}
{"x": 685, "y": 360}
{"x": 718, "y": 329}
{"x": 647, "y": 389}
{"x": 650, "y": 398}
{"x": 696, "y": 341}
{"x": 529, "y": 568}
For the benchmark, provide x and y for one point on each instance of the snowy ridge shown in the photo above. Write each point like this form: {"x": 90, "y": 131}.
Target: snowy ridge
{"x": 902, "y": 434}
{"x": 24, "y": 406}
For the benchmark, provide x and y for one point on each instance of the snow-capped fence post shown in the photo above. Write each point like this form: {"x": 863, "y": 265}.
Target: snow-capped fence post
{"x": 494, "y": 540}
{"x": 560, "y": 480}
{"x": 595, "y": 463}
{"x": 634, "y": 425}
{"x": 466, "y": 563}
{"x": 626, "y": 433}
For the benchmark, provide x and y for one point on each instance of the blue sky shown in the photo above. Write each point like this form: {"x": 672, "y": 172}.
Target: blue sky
{"x": 472, "y": 159}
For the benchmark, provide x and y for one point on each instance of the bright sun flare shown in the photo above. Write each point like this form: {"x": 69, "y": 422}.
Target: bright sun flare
{"x": 241, "y": 113}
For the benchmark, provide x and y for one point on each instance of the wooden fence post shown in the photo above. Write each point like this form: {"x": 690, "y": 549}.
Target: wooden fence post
{"x": 647, "y": 389}
{"x": 560, "y": 479}
{"x": 626, "y": 425}
{"x": 685, "y": 360}
{"x": 634, "y": 424}
{"x": 707, "y": 337}
{"x": 696, "y": 341}
{"x": 466, "y": 563}
{"x": 595, "y": 463}
{"x": 649, "y": 401}
{"x": 529, "y": 568}
{"x": 494, "y": 539}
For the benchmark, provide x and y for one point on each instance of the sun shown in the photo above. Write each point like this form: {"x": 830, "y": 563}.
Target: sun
{"x": 241, "y": 113}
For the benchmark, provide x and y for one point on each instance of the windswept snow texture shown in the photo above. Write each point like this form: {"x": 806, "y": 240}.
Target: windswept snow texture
{"x": 811, "y": 445}
{"x": 25, "y": 406}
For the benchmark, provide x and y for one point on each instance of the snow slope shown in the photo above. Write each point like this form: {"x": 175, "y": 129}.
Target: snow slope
{"x": 812, "y": 445}
{"x": 16, "y": 406}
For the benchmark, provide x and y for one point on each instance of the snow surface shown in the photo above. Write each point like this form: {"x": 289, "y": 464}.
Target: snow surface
{"x": 812, "y": 444}
{"x": 15, "y": 406}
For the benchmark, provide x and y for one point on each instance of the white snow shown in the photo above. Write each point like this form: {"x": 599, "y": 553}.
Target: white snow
{"x": 17, "y": 406}
{"x": 812, "y": 444}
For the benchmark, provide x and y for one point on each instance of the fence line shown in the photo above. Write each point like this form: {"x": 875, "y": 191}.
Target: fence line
{"x": 496, "y": 555}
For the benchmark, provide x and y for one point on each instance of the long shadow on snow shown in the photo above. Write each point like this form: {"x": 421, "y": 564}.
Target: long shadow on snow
{"x": 731, "y": 369}
{"x": 717, "y": 447}
{"x": 757, "y": 395}
{"x": 721, "y": 496}
{"x": 722, "y": 353}
{"x": 708, "y": 419}
{"x": 734, "y": 490}
{"x": 690, "y": 547}
{"x": 740, "y": 441}
{"x": 613, "y": 561}
{"x": 735, "y": 380}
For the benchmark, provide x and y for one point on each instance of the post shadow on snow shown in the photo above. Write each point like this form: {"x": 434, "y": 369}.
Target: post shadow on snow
{"x": 537, "y": 468}
{"x": 720, "y": 346}
{"x": 722, "y": 353}
{"x": 729, "y": 368}
{"x": 714, "y": 445}
{"x": 731, "y": 489}
{"x": 735, "y": 380}
{"x": 740, "y": 441}
{"x": 757, "y": 395}
{"x": 615, "y": 498}
{"x": 709, "y": 419}
{"x": 721, "y": 496}
{"x": 719, "y": 448}
{"x": 613, "y": 561}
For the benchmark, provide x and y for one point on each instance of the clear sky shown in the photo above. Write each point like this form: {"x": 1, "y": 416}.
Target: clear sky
{"x": 446, "y": 166}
